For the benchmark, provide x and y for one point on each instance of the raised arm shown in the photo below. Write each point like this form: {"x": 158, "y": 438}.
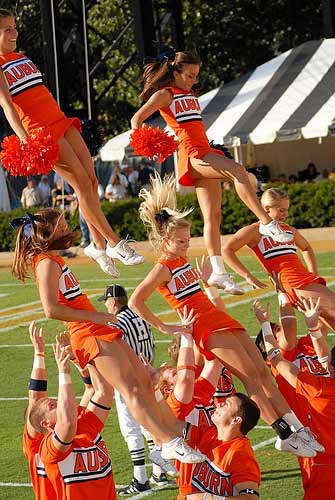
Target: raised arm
{"x": 184, "y": 386}
{"x": 66, "y": 422}
{"x": 307, "y": 251}
{"x": 48, "y": 273}
{"x": 38, "y": 377}
{"x": 247, "y": 236}
{"x": 287, "y": 369}
{"x": 9, "y": 110}
{"x": 159, "y": 275}
{"x": 160, "y": 99}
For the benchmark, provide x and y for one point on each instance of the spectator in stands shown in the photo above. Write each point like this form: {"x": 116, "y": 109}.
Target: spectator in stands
{"x": 324, "y": 176}
{"x": 115, "y": 190}
{"x": 292, "y": 179}
{"x": 45, "y": 189}
{"x": 61, "y": 198}
{"x": 31, "y": 195}
{"x": 309, "y": 174}
{"x": 120, "y": 172}
{"x": 133, "y": 181}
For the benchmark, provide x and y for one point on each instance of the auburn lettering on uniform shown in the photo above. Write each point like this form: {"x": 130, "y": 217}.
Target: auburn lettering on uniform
{"x": 184, "y": 282}
{"x": 68, "y": 284}
{"x": 185, "y": 108}
{"x": 270, "y": 248}
{"x": 21, "y": 74}
{"x": 208, "y": 477}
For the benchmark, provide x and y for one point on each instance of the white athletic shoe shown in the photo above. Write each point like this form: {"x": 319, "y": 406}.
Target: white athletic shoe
{"x": 156, "y": 457}
{"x": 100, "y": 256}
{"x": 308, "y": 437}
{"x": 295, "y": 445}
{"x": 274, "y": 230}
{"x": 226, "y": 283}
{"x": 177, "y": 449}
{"x": 124, "y": 253}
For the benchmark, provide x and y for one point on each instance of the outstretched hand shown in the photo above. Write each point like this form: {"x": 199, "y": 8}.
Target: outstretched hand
{"x": 310, "y": 310}
{"x": 262, "y": 315}
{"x": 204, "y": 268}
{"x": 62, "y": 357}
{"x": 37, "y": 337}
{"x": 187, "y": 318}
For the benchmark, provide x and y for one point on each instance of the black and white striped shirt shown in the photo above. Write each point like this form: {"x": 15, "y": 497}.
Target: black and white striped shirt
{"x": 137, "y": 332}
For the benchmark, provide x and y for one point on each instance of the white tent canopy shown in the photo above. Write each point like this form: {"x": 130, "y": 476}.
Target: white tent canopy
{"x": 290, "y": 97}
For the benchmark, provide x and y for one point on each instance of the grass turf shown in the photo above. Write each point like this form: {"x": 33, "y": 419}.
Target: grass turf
{"x": 20, "y": 304}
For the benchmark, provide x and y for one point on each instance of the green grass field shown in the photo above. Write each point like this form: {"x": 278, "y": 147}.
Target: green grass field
{"x": 20, "y": 304}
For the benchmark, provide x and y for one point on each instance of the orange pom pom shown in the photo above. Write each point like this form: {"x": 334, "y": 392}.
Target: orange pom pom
{"x": 37, "y": 156}
{"x": 153, "y": 142}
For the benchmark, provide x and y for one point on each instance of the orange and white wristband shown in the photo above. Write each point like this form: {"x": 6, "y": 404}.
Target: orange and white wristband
{"x": 315, "y": 332}
{"x": 64, "y": 378}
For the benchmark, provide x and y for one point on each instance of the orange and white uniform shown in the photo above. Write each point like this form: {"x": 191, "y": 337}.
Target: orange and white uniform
{"x": 83, "y": 333}
{"x": 228, "y": 463}
{"x": 320, "y": 392}
{"x": 282, "y": 258}
{"x": 35, "y": 105}
{"x": 184, "y": 117}
{"x": 42, "y": 486}
{"x": 184, "y": 289}
{"x": 85, "y": 470}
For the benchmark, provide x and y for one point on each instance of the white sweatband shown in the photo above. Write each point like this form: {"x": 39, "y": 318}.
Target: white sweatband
{"x": 315, "y": 333}
{"x": 39, "y": 361}
{"x": 283, "y": 299}
{"x": 273, "y": 354}
{"x": 212, "y": 292}
{"x": 64, "y": 378}
{"x": 158, "y": 395}
{"x": 287, "y": 317}
{"x": 266, "y": 329}
{"x": 186, "y": 340}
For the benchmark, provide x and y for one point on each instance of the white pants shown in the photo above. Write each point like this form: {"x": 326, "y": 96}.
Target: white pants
{"x": 130, "y": 430}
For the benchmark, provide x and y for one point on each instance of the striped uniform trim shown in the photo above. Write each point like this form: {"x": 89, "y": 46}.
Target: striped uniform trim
{"x": 184, "y": 282}
{"x": 68, "y": 285}
{"x": 137, "y": 332}
{"x": 137, "y": 456}
{"x": 221, "y": 479}
{"x": 276, "y": 252}
{"x": 185, "y": 108}
{"x": 21, "y": 75}
{"x": 40, "y": 469}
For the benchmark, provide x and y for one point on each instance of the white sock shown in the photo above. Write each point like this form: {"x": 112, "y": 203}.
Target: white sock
{"x": 217, "y": 264}
{"x": 156, "y": 470}
{"x": 293, "y": 421}
{"x": 171, "y": 443}
{"x": 140, "y": 474}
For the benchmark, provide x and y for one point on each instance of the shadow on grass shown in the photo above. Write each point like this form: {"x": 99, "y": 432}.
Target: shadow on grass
{"x": 277, "y": 474}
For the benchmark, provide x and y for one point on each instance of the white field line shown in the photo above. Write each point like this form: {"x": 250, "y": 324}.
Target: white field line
{"x": 262, "y": 444}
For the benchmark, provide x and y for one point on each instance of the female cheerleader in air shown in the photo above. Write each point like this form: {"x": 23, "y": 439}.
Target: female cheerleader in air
{"x": 168, "y": 83}
{"x": 95, "y": 338}
{"x": 28, "y": 105}
{"x": 215, "y": 333}
{"x": 281, "y": 258}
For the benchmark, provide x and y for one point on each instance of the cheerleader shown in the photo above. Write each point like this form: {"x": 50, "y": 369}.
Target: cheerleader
{"x": 298, "y": 281}
{"x": 168, "y": 83}
{"x": 28, "y": 105}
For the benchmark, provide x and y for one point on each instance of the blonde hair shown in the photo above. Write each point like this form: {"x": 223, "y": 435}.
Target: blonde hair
{"x": 42, "y": 239}
{"x": 272, "y": 196}
{"x": 158, "y": 211}
{"x": 159, "y": 74}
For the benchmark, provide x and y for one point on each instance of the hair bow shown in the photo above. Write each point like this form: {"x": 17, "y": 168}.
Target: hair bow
{"x": 162, "y": 217}
{"x": 165, "y": 55}
{"x": 26, "y": 221}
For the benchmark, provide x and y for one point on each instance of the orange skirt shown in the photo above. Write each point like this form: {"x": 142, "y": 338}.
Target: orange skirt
{"x": 84, "y": 339}
{"x": 184, "y": 164}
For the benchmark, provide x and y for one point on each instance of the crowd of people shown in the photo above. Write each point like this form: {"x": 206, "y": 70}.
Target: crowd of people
{"x": 194, "y": 421}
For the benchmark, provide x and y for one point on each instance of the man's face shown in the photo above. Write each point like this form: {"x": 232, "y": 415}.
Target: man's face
{"x": 110, "y": 305}
{"x": 169, "y": 374}
{"x": 226, "y": 412}
{"x": 50, "y": 412}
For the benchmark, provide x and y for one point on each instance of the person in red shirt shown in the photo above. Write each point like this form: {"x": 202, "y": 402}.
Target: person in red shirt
{"x": 282, "y": 259}
{"x": 230, "y": 469}
{"x": 168, "y": 83}
{"x": 320, "y": 393}
{"x": 215, "y": 333}
{"x": 28, "y": 105}
{"x": 95, "y": 336}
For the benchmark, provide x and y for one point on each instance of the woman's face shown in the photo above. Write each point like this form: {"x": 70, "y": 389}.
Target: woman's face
{"x": 279, "y": 211}
{"x": 8, "y": 35}
{"x": 178, "y": 244}
{"x": 188, "y": 76}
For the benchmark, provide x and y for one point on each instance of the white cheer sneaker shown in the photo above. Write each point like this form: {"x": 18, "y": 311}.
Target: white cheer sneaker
{"x": 100, "y": 256}
{"x": 295, "y": 445}
{"x": 274, "y": 230}
{"x": 177, "y": 449}
{"x": 226, "y": 283}
{"x": 156, "y": 458}
{"x": 308, "y": 437}
{"x": 123, "y": 252}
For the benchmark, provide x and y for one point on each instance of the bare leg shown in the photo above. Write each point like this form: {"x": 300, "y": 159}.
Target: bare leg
{"x": 209, "y": 198}
{"x": 121, "y": 368}
{"x": 327, "y": 302}
{"x": 277, "y": 400}
{"x": 71, "y": 168}
{"x": 234, "y": 356}
{"x": 214, "y": 166}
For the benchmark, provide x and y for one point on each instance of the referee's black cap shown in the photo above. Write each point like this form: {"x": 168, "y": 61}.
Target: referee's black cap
{"x": 113, "y": 291}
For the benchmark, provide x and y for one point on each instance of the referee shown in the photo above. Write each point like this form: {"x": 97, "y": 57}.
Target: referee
{"x": 138, "y": 334}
